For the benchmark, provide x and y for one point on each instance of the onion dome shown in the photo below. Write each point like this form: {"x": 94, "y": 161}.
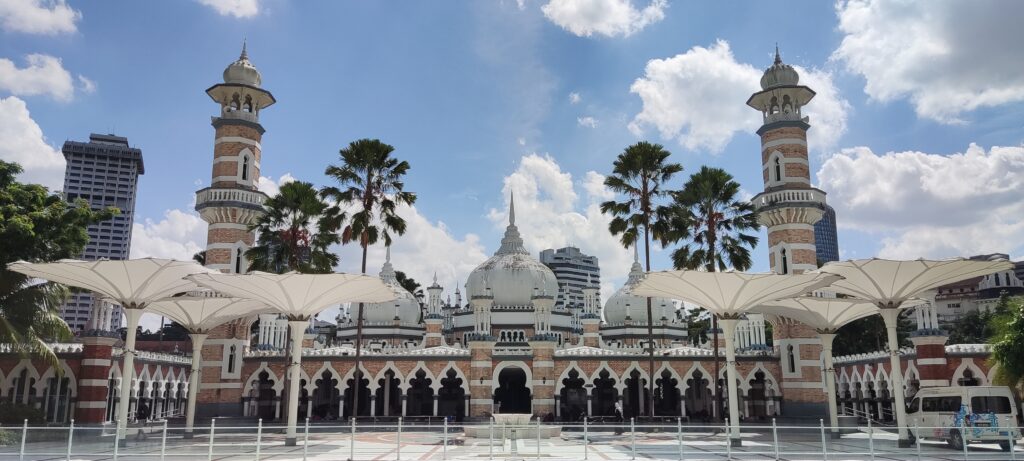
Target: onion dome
{"x": 405, "y": 306}
{"x": 625, "y": 304}
{"x": 779, "y": 74}
{"x": 242, "y": 72}
{"x": 512, "y": 276}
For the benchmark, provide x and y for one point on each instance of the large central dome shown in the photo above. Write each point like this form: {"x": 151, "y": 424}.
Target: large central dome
{"x": 511, "y": 276}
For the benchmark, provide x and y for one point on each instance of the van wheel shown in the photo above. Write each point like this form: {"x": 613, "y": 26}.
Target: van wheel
{"x": 1005, "y": 445}
{"x": 955, "y": 440}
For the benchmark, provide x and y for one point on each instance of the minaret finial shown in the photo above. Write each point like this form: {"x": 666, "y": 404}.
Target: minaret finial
{"x": 636, "y": 252}
{"x": 778, "y": 59}
{"x": 244, "y": 55}
{"x": 387, "y": 255}
{"x": 511, "y": 209}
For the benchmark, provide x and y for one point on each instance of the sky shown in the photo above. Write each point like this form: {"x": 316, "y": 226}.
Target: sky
{"x": 917, "y": 128}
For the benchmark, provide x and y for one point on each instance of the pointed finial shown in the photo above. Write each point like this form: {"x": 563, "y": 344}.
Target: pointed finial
{"x": 511, "y": 209}
{"x": 778, "y": 59}
{"x": 387, "y": 255}
{"x": 636, "y": 252}
{"x": 245, "y": 55}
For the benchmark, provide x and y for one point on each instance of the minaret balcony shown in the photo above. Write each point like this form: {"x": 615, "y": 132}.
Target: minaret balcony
{"x": 229, "y": 205}
{"x": 785, "y": 117}
{"x": 789, "y": 206}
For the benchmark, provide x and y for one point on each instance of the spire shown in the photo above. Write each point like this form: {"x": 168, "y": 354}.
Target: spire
{"x": 511, "y": 209}
{"x": 387, "y": 272}
{"x": 244, "y": 56}
{"x": 636, "y": 272}
{"x": 778, "y": 59}
{"x": 387, "y": 254}
{"x": 636, "y": 253}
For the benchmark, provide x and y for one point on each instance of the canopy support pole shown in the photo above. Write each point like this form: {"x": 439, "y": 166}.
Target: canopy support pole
{"x": 297, "y": 328}
{"x": 132, "y": 315}
{"x": 830, "y": 382}
{"x": 194, "y": 381}
{"x": 891, "y": 317}
{"x": 729, "y": 331}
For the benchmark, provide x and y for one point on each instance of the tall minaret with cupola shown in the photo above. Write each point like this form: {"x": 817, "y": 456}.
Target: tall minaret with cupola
{"x": 788, "y": 208}
{"x": 232, "y": 203}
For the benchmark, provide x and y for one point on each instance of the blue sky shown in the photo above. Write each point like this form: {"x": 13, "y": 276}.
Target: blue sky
{"x": 538, "y": 97}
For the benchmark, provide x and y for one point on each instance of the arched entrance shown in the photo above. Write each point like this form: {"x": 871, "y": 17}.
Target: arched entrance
{"x": 757, "y": 396}
{"x": 451, "y": 398}
{"x": 698, "y": 397}
{"x": 636, "y": 395}
{"x": 512, "y": 395}
{"x": 572, "y": 398}
{"x": 326, "y": 397}
{"x": 266, "y": 398}
{"x": 389, "y": 396}
{"x": 666, "y": 395}
{"x": 364, "y": 397}
{"x": 420, "y": 396}
{"x": 604, "y": 394}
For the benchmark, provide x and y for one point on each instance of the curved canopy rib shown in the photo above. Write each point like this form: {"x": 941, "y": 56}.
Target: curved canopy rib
{"x": 729, "y": 293}
{"x": 889, "y": 283}
{"x": 201, "y": 311}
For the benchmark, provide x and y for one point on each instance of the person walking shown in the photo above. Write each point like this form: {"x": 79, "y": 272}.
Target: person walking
{"x": 619, "y": 417}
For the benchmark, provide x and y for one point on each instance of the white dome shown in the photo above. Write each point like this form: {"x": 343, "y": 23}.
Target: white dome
{"x": 406, "y": 307}
{"x": 242, "y": 71}
{"x": 624, "y": 303}
{"x": 511, "y": 275}
{"x": 779, "y": 74}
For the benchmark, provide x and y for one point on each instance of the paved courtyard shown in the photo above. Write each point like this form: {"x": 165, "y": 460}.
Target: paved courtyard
{"x": 420, "y": 443}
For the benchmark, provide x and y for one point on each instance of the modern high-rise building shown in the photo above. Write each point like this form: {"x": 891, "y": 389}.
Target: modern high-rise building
{"x": 574, "y": 272}
{"x": 103, "y": 172}
{"x": 826, "y": 239}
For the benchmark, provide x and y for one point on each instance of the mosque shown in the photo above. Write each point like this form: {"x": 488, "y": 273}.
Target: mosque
{"x": 504, "y": 348}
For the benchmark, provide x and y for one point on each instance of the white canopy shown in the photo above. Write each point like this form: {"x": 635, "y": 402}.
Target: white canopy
{"x": 889, "y": 283}
{"x": 296, "y": 295}
{"x": 132, "y": 283}
{"x": 822, "y": 314}
{"x": 729, "y": 293}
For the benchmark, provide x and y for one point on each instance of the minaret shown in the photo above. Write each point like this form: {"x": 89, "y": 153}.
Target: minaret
{"x": 789, "y": 207}
{"x": 232, "y": 203}
{"x": 434, "y": 320}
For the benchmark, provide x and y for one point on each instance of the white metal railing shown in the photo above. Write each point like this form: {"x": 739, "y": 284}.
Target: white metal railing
{"x": 789, "y": 196}
{"x": 229, "y": 195}
{"x": 427, "y": 440}
{"x": 59, "y": 348}
{"x": 155, "y": 356}
{"x": 783, "y": 117}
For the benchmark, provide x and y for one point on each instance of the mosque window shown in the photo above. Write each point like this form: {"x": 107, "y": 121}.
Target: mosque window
{"x": 238, "y": 261}
{"x": 1007, "y": 277}
{"x": 791, "y": 358}
{"x": 248, "y": 104}
{"x": 778, "y": 169}
{"x": 785, "y": 262}
{"x": 231, "y": 358}
{"x": 245, "y": 168}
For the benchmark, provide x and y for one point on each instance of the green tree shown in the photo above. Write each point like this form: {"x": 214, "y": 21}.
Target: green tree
{"x": 200, "y": 257}
{"x": 709, "y": 217}
{"x": 37, "y": 226}
{"x": 975, "y": 327}
{"x": 869, "y": 335}
{"x": 1008, "y": 342}
{"x": 371, "y": 183}
{"x": 639, "y": 175}
{"x": 295, "y": 231}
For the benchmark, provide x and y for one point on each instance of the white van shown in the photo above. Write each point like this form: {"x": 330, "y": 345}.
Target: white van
{"x": 985, "y": 413}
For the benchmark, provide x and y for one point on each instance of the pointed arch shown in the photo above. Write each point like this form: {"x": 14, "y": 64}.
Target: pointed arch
{"x": 254, "y": 378}
{"x": 67, "y": 373}
{"x": 773, "y": 384}
{"x": 310, "y": 383}
{"x": 350, "y": 374}
{"x": 565, "y": 374}
{"x": 406, "y": 383}
{"x": 389, "y": 365}
{"x": 672, "y": 371}
{"x": 517, "y": 364}
{"x": 15, "y": 373}
{"x": 967, "y": 363}
{"x": 444, "y": 373}
{"x": 603, "y": 366}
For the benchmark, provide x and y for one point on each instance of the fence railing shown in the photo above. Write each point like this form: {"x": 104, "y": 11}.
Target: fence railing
{"x": 627, "y": 440}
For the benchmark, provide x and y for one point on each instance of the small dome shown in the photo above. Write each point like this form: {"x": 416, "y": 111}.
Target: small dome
{"x": 624, "y": 303}
{"x": 242, "y": 72}
{"x": 406, "y": 307}
{"x": 779, "y": 74}
{"x": 511, "y": 275}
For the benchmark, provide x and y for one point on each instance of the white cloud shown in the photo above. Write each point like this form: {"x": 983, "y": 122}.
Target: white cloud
{"x": 44, "y": 75}
{"x": 179, "y": 235}
{"x": 605, "y": 17}
{"x": 38, "y": 16}
{"x": 236, "y": 8}
{"x": 946, "y": 57}
{"x": 270, "y": 187}
{"x": 587, "y": 122}
{"x": 928, "y": 205}
{"x": 550, "y": 214}
{"x": 86, "y": 85}
{"x": 574, "y": 98}
{"x": 696, "y": 98}
{"x": 24, "y": 143}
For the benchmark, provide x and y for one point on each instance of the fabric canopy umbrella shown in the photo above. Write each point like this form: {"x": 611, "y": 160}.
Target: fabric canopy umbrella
{"x": 199, "y": 312}
{"x": 729, "y": 295}
{"x": 889, "y": 285}
{"x": 825, "y": 315}
{"x": 133, "y": 283}
{"x": 298, "y": 296}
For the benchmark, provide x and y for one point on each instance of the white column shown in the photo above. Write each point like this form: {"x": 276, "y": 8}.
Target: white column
{"x": 127, "y": 370}
{"x": 935, "y": 315}
{"x": 297, "y": 328}
{"x": 729, "y": 331}
{"x": 193, "y": 382}
{"x": 830, "y": 379}
{"x": 890, "y": 316}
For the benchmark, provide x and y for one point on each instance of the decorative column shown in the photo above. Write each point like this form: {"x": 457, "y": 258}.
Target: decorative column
{"x": 891, "y": 316}
{"x": 827, "y": 337}
{"x": 93, "y": 379}
{"x": 480, "y": 398}
{"x": 729, "y": 331}
{"x": 194, "y": 381}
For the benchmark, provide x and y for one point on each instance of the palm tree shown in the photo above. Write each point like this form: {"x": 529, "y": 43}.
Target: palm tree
{"x": 371, "y": 183}
{"x": 639, "y": 173}
{"x": 410, "y": 284}
{"x": 712, "y": 220}
{"x": 295, "y": 231}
